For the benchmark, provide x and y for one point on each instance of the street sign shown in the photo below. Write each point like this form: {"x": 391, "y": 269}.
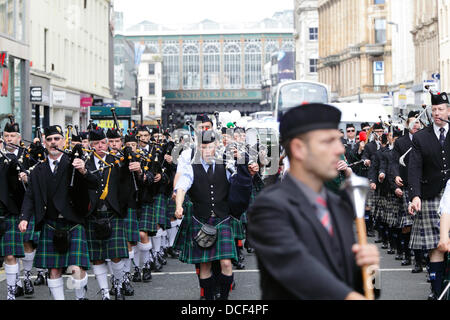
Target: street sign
{"x": 36, "y": 94}
{"x": 436, "y": 76}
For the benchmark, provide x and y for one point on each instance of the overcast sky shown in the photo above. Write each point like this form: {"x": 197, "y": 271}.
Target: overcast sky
{"x": 187, "y": 11}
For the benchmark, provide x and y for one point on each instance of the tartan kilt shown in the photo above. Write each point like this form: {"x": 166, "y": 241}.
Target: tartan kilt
{"x": 391, "y": 211}
{"x": 406, "y": 220}
{"x": 132, "y": 226}
{"x": 146, "y": 221}
{"x": 378, "y": 207}
{"x": 31, "y": 235}
{"x": 253, "y": 195}
{"x": 160, "y": 210}
{"x": 113, "y": 248}
{"x": 371, "y": 199}
{"x": 180, "y": 239}
{"x": 425, "y": 230}
{"x": 78, "y": 254}
{"x": 11, "y": 244}
{"x": 188, "y": 207}
{"x": 238, "y": 229}
{"x": 224, "y": 248}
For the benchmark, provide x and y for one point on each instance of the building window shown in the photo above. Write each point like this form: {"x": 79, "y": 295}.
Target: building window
{"x": 378, "y": 73}
{"x": 232, "y": 66}
{"x": 12, "y": 18}
{"x": 151, "y": 88}
{"x": 171, "y": 68}
{"x": 151, "y": 68}
{"x": 211, "y": 66}
{"x": 380, "y": 30}
{"x": 151, "y": 109}
{"x": 271, "y": 48}
{"x": 313, "y": 33}
{"x": 252, "y": 65}
{"x": 313, "y": 65}
{"x": 191, "y": 67}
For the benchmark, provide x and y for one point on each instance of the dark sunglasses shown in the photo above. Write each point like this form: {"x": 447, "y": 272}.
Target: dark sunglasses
{"x": 53, "y": 139}
{"x": 351, "y": 130}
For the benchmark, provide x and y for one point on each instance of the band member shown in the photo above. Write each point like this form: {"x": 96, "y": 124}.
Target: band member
{"x": 402, "y": 150}
{"x": 206, "y": 176}
{"x": 350, "y": 142}
{"x": 301, "y": 232}
{"x": 59, "y": 211}
{"x": 427, "y": 176}
{"x": 106, "y": 232}
{"x": 13, "y": 244}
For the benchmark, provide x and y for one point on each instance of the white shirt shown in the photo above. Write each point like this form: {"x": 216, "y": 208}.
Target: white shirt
{"x": 97, "y": 162}
{"x": 52, "y": 162}
{"x": 444, "y": 205}
{"x": 437, "y": 131}
{"x": 16, "y": 152}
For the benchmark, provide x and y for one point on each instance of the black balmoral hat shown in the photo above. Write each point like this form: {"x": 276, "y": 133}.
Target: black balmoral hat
{"x": 203, "y": 118}
{"x": 97, "y": 135}
{"x": 113, "y": 134}
{"x": 12, "y": 127}
{"x": 439, "y": 98}
{"x": 307, "y": 118}
{"x": 49, "y": 131}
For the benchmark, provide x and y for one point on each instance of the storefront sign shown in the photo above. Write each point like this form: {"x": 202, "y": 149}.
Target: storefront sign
{"x": 221, "y": 95}
{"x": 59, "y": 96}
{"x": 36, "y": 94}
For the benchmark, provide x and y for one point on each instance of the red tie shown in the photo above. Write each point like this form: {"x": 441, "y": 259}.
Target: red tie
{"x": 324, "y": 215}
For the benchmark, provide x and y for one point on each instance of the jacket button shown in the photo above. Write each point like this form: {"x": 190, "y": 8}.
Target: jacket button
{"x": 45, "y": 208}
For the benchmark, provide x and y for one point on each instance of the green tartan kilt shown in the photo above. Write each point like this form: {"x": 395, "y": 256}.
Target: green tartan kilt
{"x": 253, "y": 195}
{"x": 159, "y": 210}
{"x": 146, "y": 221}
{"x": 238, "y": 229}
{"x": 113, "y": 248}
{"x": 31, "y": 235}
{"x": 170, "y": 212}
{"x": 132, "y": 226}
{"x": 11, "y": 244}
{"x": 224, "y": 248}
{"x": 180, "y": 242}
{"x": 78, "y": 254}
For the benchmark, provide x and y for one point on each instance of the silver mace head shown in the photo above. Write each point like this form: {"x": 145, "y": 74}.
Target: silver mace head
{"x": 358, "y": 188}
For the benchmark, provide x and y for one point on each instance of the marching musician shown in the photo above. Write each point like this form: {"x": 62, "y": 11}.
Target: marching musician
{"x": 402, "y": 149}
{"x": 427, "y": 176}
{"x": 59, "y": 212}
{"x": 13, "y": 244}
{"x": 302, "y": 233}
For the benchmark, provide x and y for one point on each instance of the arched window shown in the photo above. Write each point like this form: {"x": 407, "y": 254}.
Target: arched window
{"x": 191, "y": 66}
{"x": 252, "y": 65}
{"x": 232, "y": 65}
{"x": 288, "y": 46}
{"x": 171, "y": 67}
{"x": 211, "y": 65}
{"x": 271, "y": 47}
{"x": 152, "y": 47}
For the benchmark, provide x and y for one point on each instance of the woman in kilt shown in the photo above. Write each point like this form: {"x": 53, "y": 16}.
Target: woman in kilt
{"x": 207, "y": 183}
{"x": 106, "y": 232}
{"x": 428, "y": 173}
{"x": 59, "y": 212}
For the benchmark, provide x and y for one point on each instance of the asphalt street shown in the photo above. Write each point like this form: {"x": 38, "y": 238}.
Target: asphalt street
{"x": 178, "y": 281}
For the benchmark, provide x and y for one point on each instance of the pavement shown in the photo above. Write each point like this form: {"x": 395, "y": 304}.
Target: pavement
{"x": 178, "y": 281}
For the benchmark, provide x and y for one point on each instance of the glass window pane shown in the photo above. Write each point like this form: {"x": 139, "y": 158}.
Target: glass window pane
{"x": 232, "y": 65}
{"x": 211, "y": 65}
{"x": 10, "y": 18}
{"x": 3, "y": 16}
{"x": 191, "y": 66}
{"x": 171, "y": 67}
{"x": 20, "y": 20}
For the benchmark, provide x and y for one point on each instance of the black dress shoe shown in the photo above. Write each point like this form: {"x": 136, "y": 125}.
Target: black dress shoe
{"x": 391, "y": 251}
{"x": 370, "y": 234}
{"x": 28, "y": 286}
{"x": 118, "y": 291}
{"x": 417, "y": 268}
{"x": 238, "y": 265}
{"x": 379, "y": 241}
{"x": 127, "y": 288}
{"x": 250, "y": 250}
{"x": 146, "y": 274}
{"x": 40, "y": 280}
{"x": 161, "y": 259}
{"x": 384, "y": 246}
{"x": 432, "y": 296}
{"x": 155, "y": 265}
{"x": 137, "y": 275}
{"x": 19, "y": 291}
{"x": 399, "y": 256}
{"x": 202, "y": 298}
{"x": 172, "y": 253}
{"x": 406, "y": 262}
{"x": 241, "y": 255}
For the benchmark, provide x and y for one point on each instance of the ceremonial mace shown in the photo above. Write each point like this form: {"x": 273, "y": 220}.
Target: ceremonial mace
{"x": 358, "y": 188}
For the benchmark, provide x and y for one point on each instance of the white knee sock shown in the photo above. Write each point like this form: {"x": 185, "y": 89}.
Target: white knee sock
{"x": 101, "y": 273}
{"x": 156, "y": 241}
{"x": 79, "y": 285}
{"x": 108, "y": 263}
{"x": 56, "y": 288}
{"x": 127, "y": 261}
{"x": 136, "y": 256}
{"x": 144, "y": 250}
{"x": 27, "y": 261}
{"x": 11, "y": 271}
{"x": 164, "y": 239}
{"x": 117, "y": 268}
{"x": 172, "y": 233}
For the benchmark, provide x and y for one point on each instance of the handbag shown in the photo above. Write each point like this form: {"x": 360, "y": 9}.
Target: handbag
{"x": 207, "y": 236}
{"x": 102, "y": 228}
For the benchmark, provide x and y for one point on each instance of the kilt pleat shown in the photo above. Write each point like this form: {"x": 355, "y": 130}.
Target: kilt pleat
{"x": 159, "y": 210}
{"x": 146, "y": 221}
{"x": 224, "y": 247}
{"x": 391, "y": 211}
{"x": 406, "y": 220}
{"x": 113, "y": 248}
{"x": 180, "y": 239}
{"x": 31, "y": 235}
{"x": 11, "y": 244}
{"x": 78, "y": 254}
{"x": 132, "y": 225}
{"x": 238, "y": 229}
{"x": 425, "y": 230}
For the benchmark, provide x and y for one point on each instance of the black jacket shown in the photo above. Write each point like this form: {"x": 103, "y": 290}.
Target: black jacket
{"x": 72, "y": 203}
{"x": 401, "y": 146}
{"x": 427, "y": 164}
{"x": 297, "y": 257}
